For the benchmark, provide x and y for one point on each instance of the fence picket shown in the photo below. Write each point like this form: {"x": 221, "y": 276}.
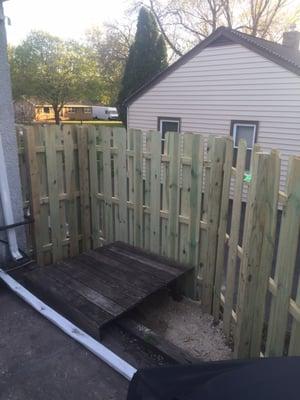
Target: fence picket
{"x": 222, "y": 228}
{"x": 82, "y": 139}
{"x": 213, "y": 213}
{"x": 95, "y": 222}
{"x": 155, "y": 149}
{"x": 234, "y": 236}
{"x": 174, "y": 154}
{"x": 51, "y": 161}
{"x": 138, "y": 188}
{"x": 33, "y": 170}
{"x": 120, "y": 143}
{"x": 71, "y": 189}
{"x": 107, "y": 185}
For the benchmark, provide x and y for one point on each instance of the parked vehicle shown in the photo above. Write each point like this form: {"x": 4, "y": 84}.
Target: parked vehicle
{"x": 107, "y": 113}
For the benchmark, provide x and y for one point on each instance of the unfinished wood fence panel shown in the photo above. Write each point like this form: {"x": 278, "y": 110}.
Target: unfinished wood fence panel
{"x": 285, "y": 266}
{"x": 258, "y": 247}
{"x": 179, "y": 197}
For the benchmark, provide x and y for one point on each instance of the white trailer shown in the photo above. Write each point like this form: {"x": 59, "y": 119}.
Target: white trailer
{"x": 106, "y": 113}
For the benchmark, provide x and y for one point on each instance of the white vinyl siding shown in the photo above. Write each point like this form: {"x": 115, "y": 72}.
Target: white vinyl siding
{"x": 227, "y": 83}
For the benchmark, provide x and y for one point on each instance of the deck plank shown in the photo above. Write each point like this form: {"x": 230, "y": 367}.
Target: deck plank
{"x": 97, "y": 286}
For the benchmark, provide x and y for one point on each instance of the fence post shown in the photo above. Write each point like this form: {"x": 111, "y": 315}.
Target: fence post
{"x": 213, "y": 214}
{"x": 258, "y": 248}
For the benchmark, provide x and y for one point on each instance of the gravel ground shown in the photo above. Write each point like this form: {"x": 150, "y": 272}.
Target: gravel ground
{"x": 184, "y": 324}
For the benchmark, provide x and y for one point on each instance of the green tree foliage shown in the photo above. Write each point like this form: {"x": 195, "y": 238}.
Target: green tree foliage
{"x": 147, "y": 57}
{"x": 110, "y": 47}
{"x": 54, "y": 71}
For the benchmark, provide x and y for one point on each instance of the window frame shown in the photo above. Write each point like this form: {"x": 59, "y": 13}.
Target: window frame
{"x": 160, "y": 121}
{"x": 235, "y": 123}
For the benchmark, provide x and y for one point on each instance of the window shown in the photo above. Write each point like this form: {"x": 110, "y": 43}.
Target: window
{"x": 167, "y": 125}
{"x": 246, "y": 130}
{"x": 73, "y": 110}
{"x": 46, "y": 110}
{"x": 87, "y": 110}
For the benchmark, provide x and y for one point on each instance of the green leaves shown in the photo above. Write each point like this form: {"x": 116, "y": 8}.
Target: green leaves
{"x": 147, "y": 57}
{"x": 53, "y": 70}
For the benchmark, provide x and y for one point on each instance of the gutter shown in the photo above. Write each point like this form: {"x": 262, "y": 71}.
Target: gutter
{"x": 100, "y": 351}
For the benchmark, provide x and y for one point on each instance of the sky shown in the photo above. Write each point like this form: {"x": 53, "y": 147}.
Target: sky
{"x": 65, "y": 18}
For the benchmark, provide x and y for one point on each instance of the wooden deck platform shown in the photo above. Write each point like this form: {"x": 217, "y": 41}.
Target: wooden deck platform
{"x": 97, "y": 286}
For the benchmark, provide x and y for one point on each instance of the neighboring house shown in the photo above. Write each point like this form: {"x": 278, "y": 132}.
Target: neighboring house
{"x": 231, "y": 83}
{"x": 70, "y": 112}
{"x": 29, "y": 110}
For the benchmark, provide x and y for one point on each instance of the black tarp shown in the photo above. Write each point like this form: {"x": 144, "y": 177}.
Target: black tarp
{"x": 259, "y": 379}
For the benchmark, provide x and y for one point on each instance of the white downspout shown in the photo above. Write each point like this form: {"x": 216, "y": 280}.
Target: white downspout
{"x": 7, "y": 207}
{"x": 5, "y": 103}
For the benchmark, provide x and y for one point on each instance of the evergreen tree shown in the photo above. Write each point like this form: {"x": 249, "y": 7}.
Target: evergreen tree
{"x": 147, "y": 57}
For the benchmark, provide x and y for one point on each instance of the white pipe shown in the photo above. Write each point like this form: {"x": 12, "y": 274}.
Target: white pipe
{"x": 7, "y": 116}
{"x": 7, "y": 207}
{"x": 102, "y": 352}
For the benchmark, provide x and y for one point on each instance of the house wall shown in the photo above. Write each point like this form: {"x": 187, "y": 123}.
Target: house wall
{"x": 8, "y": 137}
{"x": 227, "y": 83}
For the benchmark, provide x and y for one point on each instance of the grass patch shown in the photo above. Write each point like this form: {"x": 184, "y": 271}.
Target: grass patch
{"x": 92, "y": 122}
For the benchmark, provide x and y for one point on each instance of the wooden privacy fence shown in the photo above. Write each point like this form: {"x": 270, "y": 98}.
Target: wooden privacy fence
{"x": 86, "y": 186}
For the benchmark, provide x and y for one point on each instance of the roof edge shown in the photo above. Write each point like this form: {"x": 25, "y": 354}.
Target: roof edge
{"x": 230, "y": 34}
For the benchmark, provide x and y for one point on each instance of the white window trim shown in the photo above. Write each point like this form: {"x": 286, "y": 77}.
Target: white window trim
{"x": 235, "y": 125}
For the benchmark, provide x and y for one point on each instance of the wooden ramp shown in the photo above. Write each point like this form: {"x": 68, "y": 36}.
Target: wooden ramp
{"x": 97, "y": 286}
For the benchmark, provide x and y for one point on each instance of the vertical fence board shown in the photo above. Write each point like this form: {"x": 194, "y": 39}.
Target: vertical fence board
{"x": 165, "y": 167}
{"x": 234, "y": 235}
{"x": 82, "y": 138}
{"x": 286, "y": 258}
{"x": 71, "y": 189}
{"x": 33, "y": 171}
{"x": 174, "y": 154}
{"x": 213, "y": 212}
{"x": 51, "y": 160}
{"x": 138, "y": 188}
{"x": 107, "y": 185}
{"x": 222, "y": 229}
{"x": 197, "y": 162}
{"x": 130, "y": 190}
{"x": 185, "y": 184}
{"x": 120, "y": 143}
{"x": 155, "y": 149}
{"x": 95, "y": 221}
